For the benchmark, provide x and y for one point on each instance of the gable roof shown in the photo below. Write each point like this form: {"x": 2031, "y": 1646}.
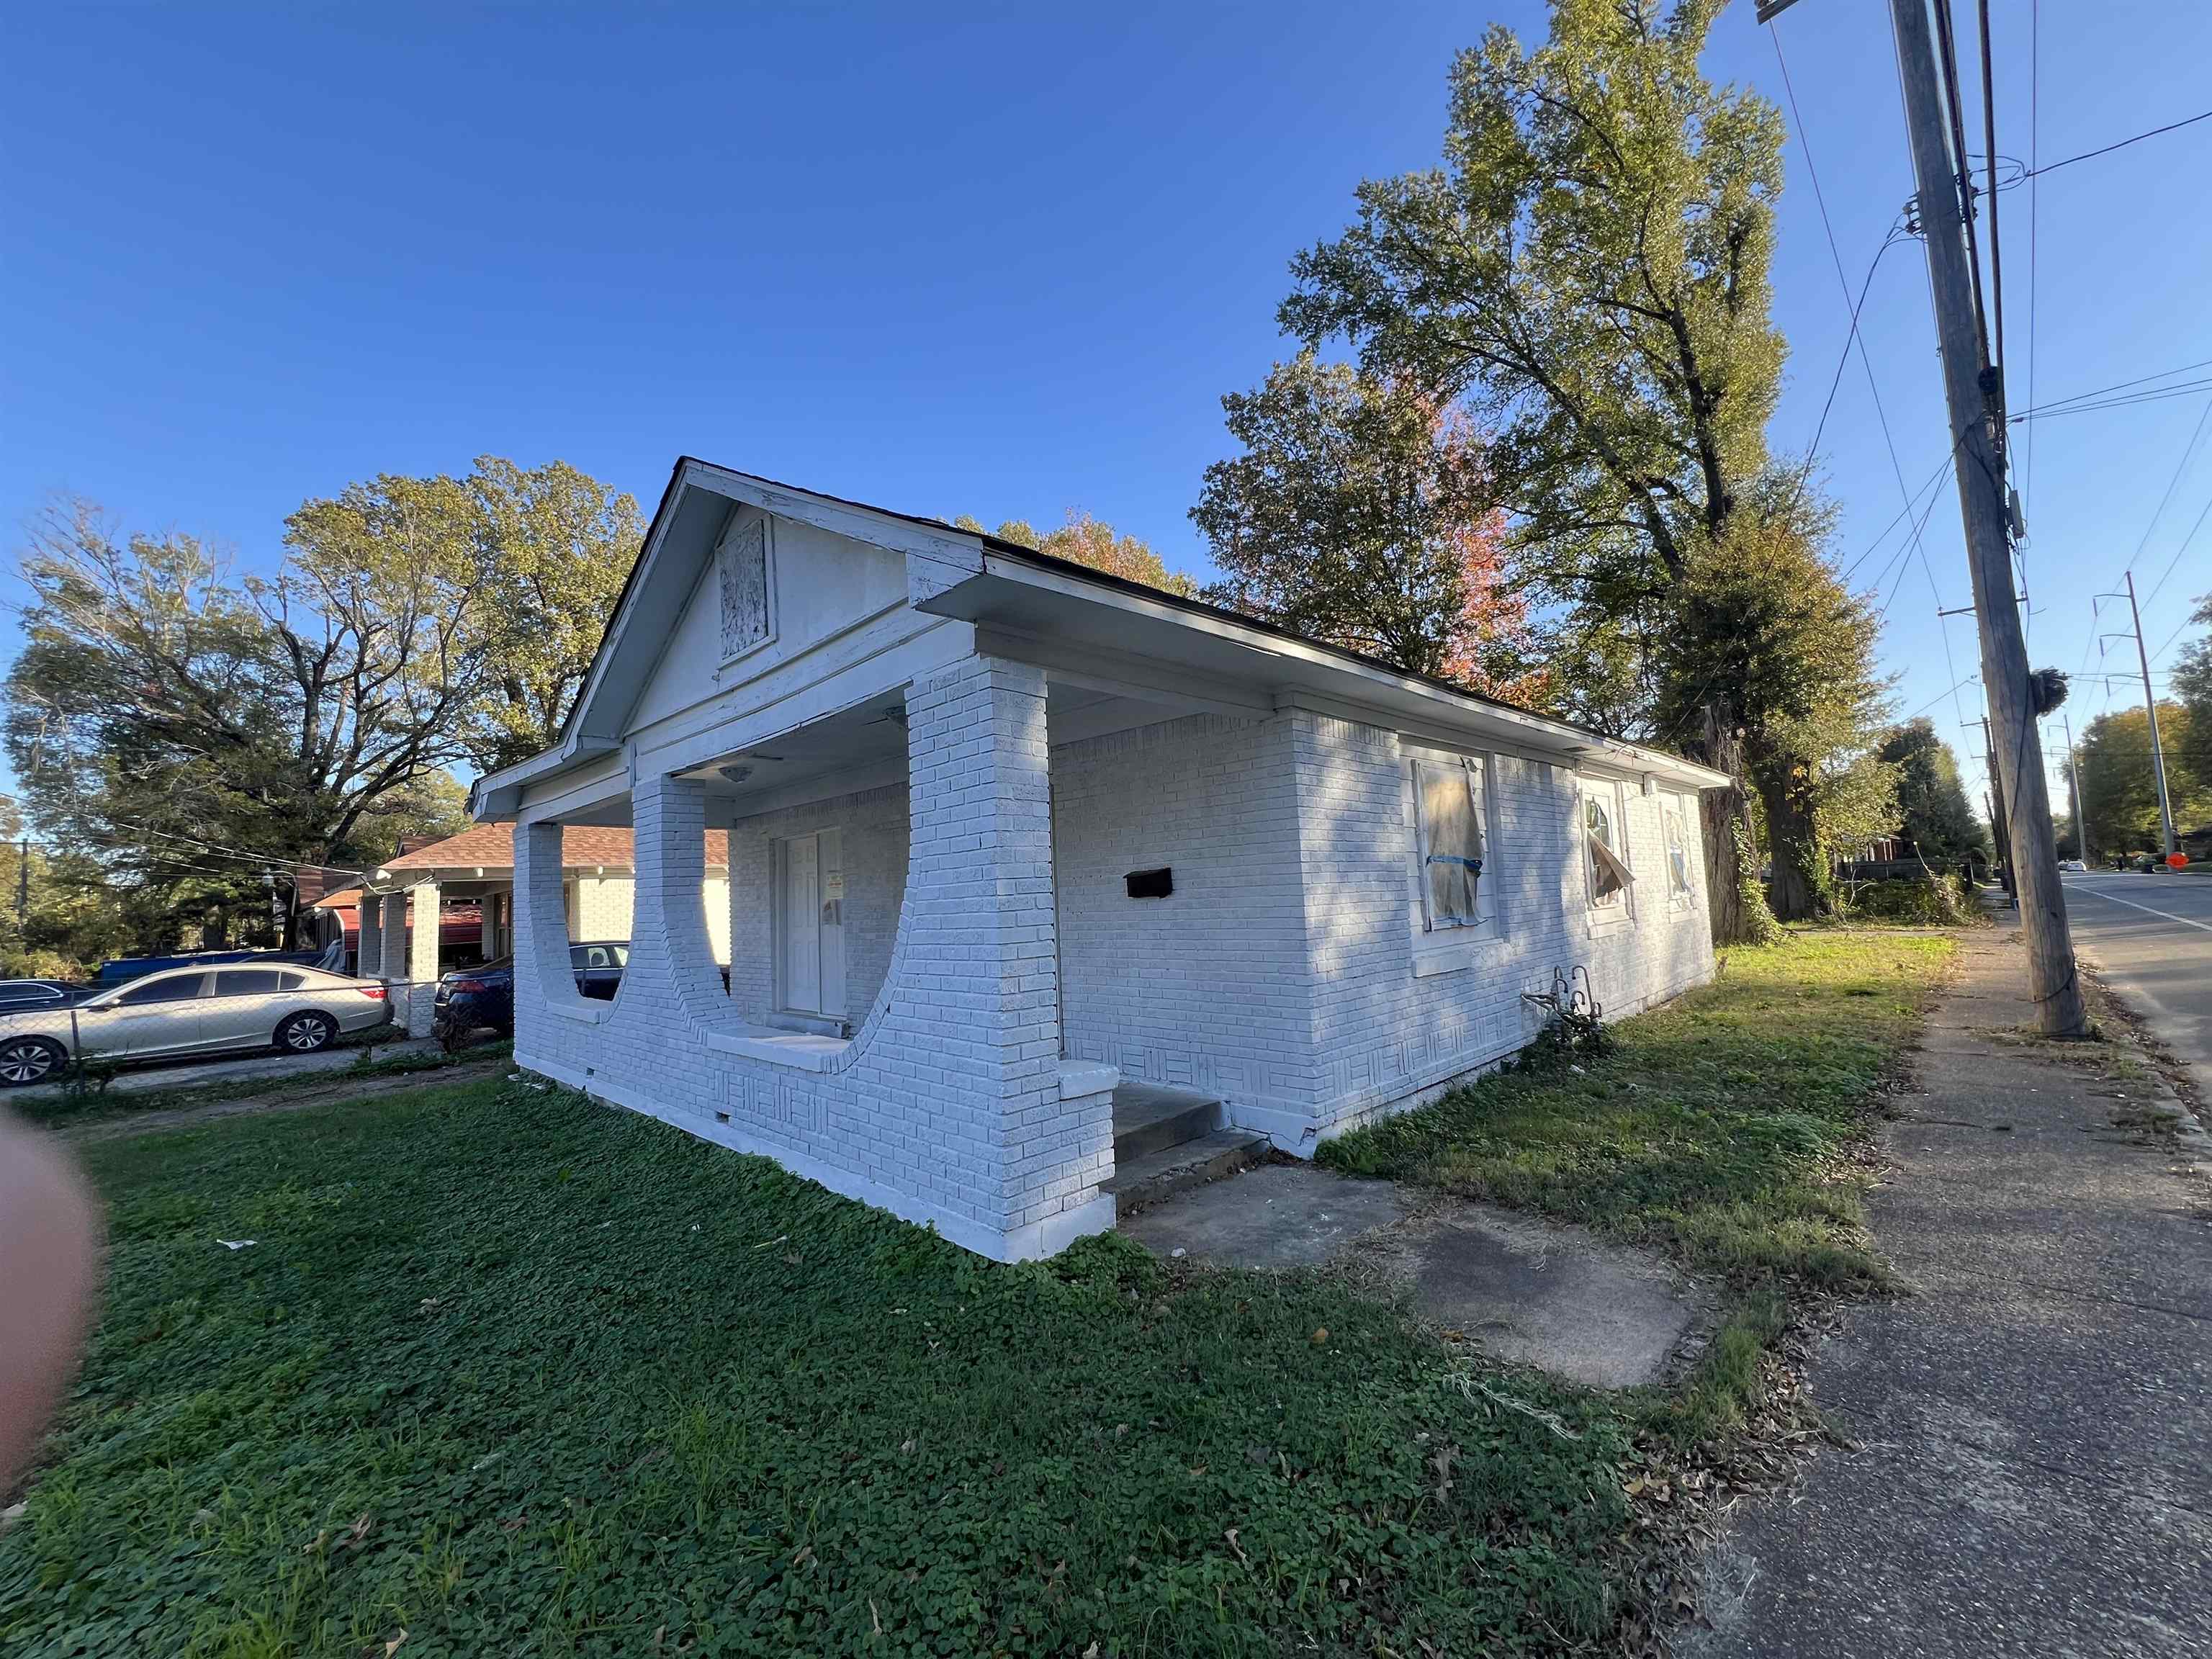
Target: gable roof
{"x": 683, "y": 531}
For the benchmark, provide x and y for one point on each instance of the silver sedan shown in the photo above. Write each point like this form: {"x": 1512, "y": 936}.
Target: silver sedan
{"x": 192, "y": 1011}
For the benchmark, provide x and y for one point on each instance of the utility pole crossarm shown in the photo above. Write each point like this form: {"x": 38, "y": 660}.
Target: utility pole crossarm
{"x": 2061, "y": 1009}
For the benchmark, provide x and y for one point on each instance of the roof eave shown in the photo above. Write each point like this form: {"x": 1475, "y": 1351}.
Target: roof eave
{"x": 1030, "y": 586}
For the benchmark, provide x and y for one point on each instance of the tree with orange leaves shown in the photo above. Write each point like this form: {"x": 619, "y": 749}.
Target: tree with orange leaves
{"x": 1361, "y": 513}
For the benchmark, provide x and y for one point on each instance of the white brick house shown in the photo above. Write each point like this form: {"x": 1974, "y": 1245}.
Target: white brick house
{"x": 948, "y": 767}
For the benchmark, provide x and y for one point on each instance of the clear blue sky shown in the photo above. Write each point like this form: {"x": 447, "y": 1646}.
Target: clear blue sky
{"x": 999, "y": 260}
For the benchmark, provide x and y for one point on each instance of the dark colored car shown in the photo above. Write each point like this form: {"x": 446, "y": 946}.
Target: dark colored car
{"x": 470, "y": 997}
{"x": 121, "y": 970}
{"x": 23, "y": 996}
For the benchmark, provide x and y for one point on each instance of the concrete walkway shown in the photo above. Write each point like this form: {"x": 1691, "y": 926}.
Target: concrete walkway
{"x": 1526, "y": 1291}
{"x": 2035, "y": 1423}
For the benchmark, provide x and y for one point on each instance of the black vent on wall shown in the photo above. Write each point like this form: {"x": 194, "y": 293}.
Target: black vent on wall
{"x": 1151, "y": 884}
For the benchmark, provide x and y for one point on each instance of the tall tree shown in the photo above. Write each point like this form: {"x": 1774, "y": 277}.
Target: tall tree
{"x": 2193, "y": 683}
{"x": 1931, "y": 797}
{"x": 1760, "y": 612}
{"x": 1360, "y": 512}
{"x": 1589, "y": 271}
{"x": 1092, "y": 542}
{"x": 2119, "y": 790}
{"x": 556, "y": 546}
{"x": 157, "y": 704}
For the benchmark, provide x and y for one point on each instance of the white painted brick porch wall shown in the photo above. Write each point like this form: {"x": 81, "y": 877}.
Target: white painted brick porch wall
{"x": 946, "y": 1106}
{"x": 1207, "y": 988}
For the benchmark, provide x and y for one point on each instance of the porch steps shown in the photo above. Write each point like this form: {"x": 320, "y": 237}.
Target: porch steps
{"x": 1168, "y": 1140}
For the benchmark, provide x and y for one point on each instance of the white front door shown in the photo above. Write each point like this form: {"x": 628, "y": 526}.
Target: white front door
{"x": 811, "y": 924}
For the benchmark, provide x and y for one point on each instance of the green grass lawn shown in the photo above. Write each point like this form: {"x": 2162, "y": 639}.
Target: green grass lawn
{"x": 516, "y": 1374}
{"x": 513, "y": 1373}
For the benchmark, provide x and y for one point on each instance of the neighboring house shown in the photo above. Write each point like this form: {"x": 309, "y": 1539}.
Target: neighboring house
{"x": 467, "y": 882}
{"x": 1008, "y": 835}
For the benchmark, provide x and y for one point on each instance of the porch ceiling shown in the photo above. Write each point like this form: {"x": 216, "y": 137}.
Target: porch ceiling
{"x": 864, "y": 747}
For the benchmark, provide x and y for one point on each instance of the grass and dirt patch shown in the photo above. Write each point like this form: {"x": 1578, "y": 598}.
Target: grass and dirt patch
{"x": 510, "y": 1372}
{"x": 90, "y": 1100}
{"x": 1732, "y": 1130}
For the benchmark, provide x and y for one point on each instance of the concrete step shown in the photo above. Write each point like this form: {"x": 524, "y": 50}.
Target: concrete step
{"x": 1159, "y": 1174}
{"x": 1147, "y": 1119}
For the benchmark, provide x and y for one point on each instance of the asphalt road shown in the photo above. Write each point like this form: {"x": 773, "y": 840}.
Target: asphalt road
{"x": 2151, "y": 937}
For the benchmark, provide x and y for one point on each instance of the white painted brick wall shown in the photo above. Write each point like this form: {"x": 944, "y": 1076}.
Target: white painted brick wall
{"x": 1386, "y": 1038}
{"x": 1206, "y": 988}
{"x": 946, "y": 1107}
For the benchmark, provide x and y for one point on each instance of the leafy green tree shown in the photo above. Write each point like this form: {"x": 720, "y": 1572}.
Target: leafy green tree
{"x": 556, "y": 546}
{"x": 158, "y": 703}
{"x": 2193, "y": 683}
{"x": 1933, "y": 810}
{"x": 2119, "y": 792}
{"x": 1360, "y": 512}
{"x": 1761, "y": 611}
{"x": 1587, "y": 270}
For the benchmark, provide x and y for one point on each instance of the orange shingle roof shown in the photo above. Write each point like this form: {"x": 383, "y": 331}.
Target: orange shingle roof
{"x": 491, "y": 846}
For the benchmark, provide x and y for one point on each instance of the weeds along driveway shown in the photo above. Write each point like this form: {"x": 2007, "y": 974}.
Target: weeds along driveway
{"x": 508, "y": 1372}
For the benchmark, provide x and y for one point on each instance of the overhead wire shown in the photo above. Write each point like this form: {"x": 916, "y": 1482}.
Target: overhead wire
{"x": 2155, "y": 132}
{"x": 1852, "y": 336}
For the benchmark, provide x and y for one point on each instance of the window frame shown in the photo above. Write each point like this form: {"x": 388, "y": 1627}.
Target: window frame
{"x": 1447, "y": 946}
{"x": 739, "y": 525}
{"x": 1605, "y": 916}
{"x": 1682, "y": 808}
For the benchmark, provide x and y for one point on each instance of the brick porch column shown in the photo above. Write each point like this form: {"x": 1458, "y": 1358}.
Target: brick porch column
{"x": 368, "y": 937}
{"x": 981, "y": 966}
{"x": 543, "y": 974}
{"x": 421, "y": 957}
{"x": 392, "y": 953}
{"x": 671, "y": 957}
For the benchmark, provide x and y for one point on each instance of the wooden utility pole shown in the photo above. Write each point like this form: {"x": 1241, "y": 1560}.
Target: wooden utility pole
{"x": 2150, "y": 708}
{"x": 1996, "y": 801}
{"x": 2074, "y": 788}
{"x": 1970, "y": 387}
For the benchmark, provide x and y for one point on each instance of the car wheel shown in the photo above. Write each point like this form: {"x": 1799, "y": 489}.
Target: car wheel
{"x": 25, "y": 1060}
{"x": 303, "y": 1034}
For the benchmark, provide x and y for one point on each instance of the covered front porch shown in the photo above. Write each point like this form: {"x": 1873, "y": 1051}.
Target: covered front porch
{"x": 450, "y": 904}
{"x": 916, "y": 1009}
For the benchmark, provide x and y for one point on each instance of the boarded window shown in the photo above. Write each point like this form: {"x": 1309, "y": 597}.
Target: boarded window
{"x": 1677, "y": 818}
{"x": 1448, "y": 803}
{"x": 1609, "y": 874}
{"x": 741, "y": 569}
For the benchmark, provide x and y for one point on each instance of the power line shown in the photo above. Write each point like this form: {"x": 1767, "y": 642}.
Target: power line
{"x": 2183, "y": 389}
{"x": 2091, "y": 155}
{"x": 1853, "y": 337}
{"x": 2188, "y": 453}
{"x": 2033, "y": 408}
{"x": 2178, "y": 552}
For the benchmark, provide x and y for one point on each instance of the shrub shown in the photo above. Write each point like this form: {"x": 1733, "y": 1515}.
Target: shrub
{"x": 1930, "y": 902}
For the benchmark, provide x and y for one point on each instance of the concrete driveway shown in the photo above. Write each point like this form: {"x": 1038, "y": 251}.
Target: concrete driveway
{"x": 2151, "y": 937}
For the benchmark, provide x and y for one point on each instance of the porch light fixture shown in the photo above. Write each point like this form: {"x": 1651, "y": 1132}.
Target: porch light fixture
{"x": 735, "y": 774}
